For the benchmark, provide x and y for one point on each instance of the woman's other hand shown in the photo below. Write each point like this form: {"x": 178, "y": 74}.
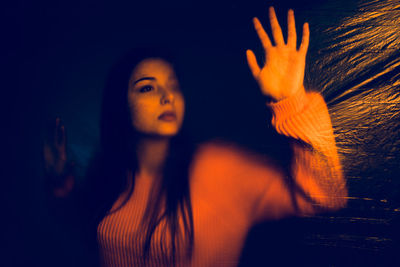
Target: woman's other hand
{"x": 283, "y": 72}
{"x": 57, "y": 169}
{"x": 54, "y": 150}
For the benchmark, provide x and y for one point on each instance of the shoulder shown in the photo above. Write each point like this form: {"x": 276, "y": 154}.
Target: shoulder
{"x": 232, "y": 176}
{"x": 219, "y": 151}
{"x": 220, "y": 157}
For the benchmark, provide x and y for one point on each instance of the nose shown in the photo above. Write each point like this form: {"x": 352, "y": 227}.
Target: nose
{"x": 167, "y": 97}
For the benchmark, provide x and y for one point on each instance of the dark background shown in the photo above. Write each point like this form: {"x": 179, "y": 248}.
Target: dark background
{"x": 58, "y": 54}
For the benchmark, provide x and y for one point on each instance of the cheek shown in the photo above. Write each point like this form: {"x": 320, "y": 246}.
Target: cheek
{"x": 142, "y": 113}
{"x": 180, "y": 104}
{"x": 180, "y": 107}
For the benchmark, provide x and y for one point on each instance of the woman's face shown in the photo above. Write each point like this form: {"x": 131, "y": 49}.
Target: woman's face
{"x": 155, "y": 100}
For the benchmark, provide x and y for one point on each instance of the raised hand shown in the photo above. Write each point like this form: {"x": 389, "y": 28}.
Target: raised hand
{"x": 283, "y": 72}
{"x": 59, "y": 171}
{"x": 54, "y": 151}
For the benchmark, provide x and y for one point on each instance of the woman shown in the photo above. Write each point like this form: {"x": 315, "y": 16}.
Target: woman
{"x": 158, "y": 205}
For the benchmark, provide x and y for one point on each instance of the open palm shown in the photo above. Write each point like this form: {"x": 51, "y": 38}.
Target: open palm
{"x": 283, "y": 72}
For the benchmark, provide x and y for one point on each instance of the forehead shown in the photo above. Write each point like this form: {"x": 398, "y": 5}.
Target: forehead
{"x": 153, "y": 67}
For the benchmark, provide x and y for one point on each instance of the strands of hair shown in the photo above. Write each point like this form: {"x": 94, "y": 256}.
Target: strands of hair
{"x": 357, "y": 69}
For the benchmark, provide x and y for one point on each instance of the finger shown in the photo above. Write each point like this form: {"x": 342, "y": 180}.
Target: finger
{"x": 252, "y": 62}
{"x": 275, "y": 27}
{"x": 48, "y": 156}
{"x": 305, "y": 39}
{"x": 55, "y": 134}
{"x": 59, "y": 135}
{"x": 292, "y": 36}
{"x": 266, "y": 42}
{"x": 62, "y": 135}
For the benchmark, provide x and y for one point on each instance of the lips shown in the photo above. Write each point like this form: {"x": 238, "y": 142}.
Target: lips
{"x": 167, "y": 116}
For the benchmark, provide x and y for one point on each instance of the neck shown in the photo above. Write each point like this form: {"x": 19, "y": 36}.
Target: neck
{"x": 151, "y": 154}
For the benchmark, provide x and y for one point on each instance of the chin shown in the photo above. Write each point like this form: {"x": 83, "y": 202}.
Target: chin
{"x": 168, "y": 131}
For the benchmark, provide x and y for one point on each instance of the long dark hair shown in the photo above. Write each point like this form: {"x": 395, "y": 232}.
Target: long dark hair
{"x": 116, "y": 157}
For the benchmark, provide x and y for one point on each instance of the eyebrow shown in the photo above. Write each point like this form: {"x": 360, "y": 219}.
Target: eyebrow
{"x": 144, "y": 78}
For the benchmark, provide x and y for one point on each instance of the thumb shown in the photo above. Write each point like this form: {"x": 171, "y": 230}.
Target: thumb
{"x": 252, "y": 62}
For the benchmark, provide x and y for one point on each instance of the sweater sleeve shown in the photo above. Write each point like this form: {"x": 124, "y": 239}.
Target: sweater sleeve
{"x": 316, "y": 181}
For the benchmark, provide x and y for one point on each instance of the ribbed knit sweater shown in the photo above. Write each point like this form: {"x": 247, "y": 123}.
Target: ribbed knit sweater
{"x": 232, "y": 189}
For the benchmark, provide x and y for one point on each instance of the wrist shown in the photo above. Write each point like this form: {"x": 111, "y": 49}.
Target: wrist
{"x": 292, "y": 94}
{"x": 289, "y": 105}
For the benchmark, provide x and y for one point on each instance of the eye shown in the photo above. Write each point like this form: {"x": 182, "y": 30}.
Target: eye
{"x": 146, "y": 88}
